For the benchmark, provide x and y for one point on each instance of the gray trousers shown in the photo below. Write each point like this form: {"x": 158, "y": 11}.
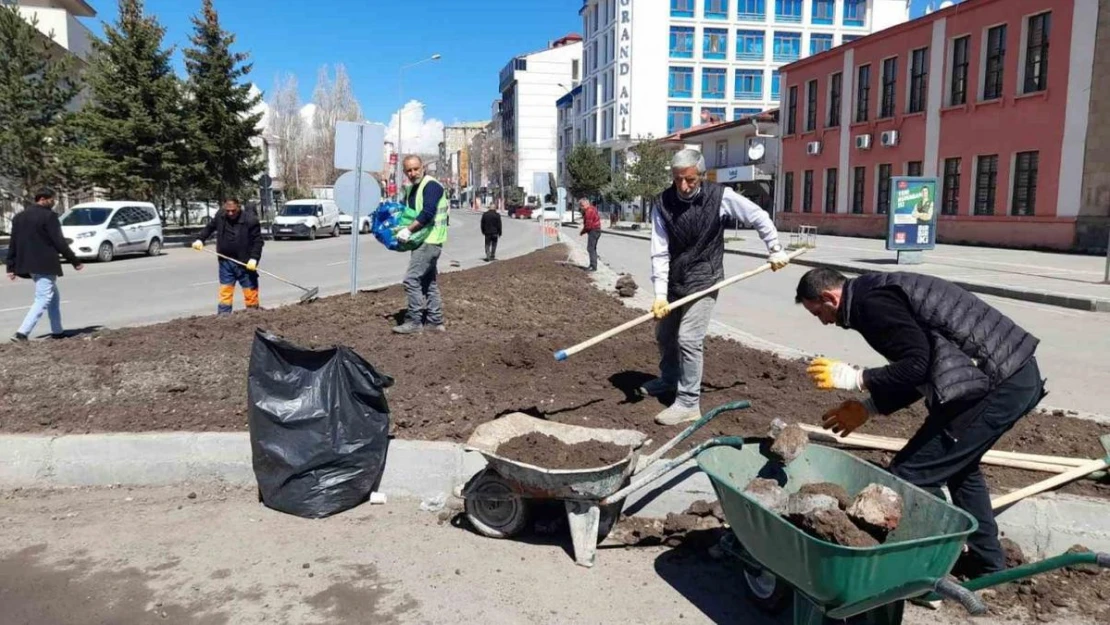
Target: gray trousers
{"x": 681, "y": 337}
{"x": 421, "y": 288}
{"x": 592, "y": 238}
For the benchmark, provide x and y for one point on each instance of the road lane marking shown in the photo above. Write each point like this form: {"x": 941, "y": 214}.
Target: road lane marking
{"x": 19, "y": 308}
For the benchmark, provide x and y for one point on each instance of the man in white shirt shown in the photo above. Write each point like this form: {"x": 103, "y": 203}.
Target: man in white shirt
{"x": 687, "y": 255}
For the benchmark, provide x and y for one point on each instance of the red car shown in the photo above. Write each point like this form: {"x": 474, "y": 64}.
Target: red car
{"x": 521, "y": 212}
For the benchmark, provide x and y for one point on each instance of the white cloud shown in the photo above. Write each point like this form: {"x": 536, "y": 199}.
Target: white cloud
{"x": 421, "y": 136}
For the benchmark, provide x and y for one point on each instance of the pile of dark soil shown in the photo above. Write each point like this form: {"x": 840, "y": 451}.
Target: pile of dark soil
{"x": 549, "y": 452}
{"x": 504, "y": 323}
{"x": 699, "y": 527}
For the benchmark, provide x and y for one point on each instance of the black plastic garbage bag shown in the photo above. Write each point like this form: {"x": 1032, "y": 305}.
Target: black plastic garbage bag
{"x": 319, "y": 425}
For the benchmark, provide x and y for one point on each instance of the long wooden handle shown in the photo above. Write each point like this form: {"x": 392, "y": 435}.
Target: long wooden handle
{"x": 261, "y": 271}
{"x": 1052, "y": 482}
{"x": 563, "y": 354}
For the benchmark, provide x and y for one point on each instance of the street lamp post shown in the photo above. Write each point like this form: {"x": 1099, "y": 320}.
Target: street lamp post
{"x": 401, "y": 113}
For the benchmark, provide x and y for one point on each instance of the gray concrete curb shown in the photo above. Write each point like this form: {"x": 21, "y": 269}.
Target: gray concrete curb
{"x": 1088, "y": 304}
{"x": 1043, "y": 525}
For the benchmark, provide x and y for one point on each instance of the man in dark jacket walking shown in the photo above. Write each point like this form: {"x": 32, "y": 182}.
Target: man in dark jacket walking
{"x": 33, "y": 253}
{"x": 974, "y": 367}
{"x": 239, "y": 237}
{"x": 491, "y": 229}
{"x": 591, "y": 227}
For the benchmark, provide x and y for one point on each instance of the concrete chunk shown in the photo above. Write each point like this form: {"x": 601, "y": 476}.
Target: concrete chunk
{"x": 834, "y": 526}
{"x": 800, "y": 505}
{"x": 877, "y": 509}
{"x": 789, "y": 444}
{"x": 768, "y": 493}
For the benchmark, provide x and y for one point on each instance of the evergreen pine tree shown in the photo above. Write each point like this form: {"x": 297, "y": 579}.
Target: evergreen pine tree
{"x": 221, "y": 105}
{"x": 587, "y": 170}
{"x": 35, "y": 90}
{"x": 136, "y": 133}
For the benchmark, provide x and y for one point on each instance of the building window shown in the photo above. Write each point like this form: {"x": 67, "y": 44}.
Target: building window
{"x": 835, "y": 86}
{"x": 716, "y": 9}
{"x": 749, "y": 84}
{"x": 749, "y": 45}
{"x": 914, "y": 168}
{"x": 859, "y": 181}
{"x": 789, "y": 11}
{"x": 811, "y": 106}
{"x": 807, "y": 191}
{"x": 713, "y": 83}
{"x": 788, "y": 192}
{"x": 610, "y": 86}
{"x": 996, "y": 59}
{"x": 830, "y": 190}
{"x": 855, "y": 12}
{"x": 741, "y": 113}
{"x": 986, "y": 179}
{"x": 1036, "y": 53}
{"x": 722, "y": 153}
{"x": 957, "y": 90}
{"x": 682, "y": 42}
{"x": 863, "y": 93}
{"x": 682, "y": 8}
{"x": 713, "y": 114}
{"x": 890, "y": 82}
{"x": 919, "y": 79}
{"x": 681, "y": 82}
{"x": 788, "y": 47}
{"x": 751, "y": 10}
{"x": 776, "y": 82}
{"x": 1025, "y": 183}
{"x": 883, "y": 202}
{"x": 950, "y": 200}
{"x": 824, "y": 12}
{"x": 679, "y": 118}
{"x": 819, "y": 43}
{"x": 715, "y": 44}
{"x": 791, "y": 110}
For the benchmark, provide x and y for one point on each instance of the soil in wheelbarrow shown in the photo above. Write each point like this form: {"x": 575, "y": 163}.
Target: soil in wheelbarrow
{"x": 549, "y": 452}
{"x": 504, "y": 322}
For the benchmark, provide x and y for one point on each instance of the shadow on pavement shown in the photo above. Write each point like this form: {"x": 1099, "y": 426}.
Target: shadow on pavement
{"x": 713, "y": 587}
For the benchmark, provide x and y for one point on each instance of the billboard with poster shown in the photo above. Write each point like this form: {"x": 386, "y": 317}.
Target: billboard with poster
{"x": 912, "y": 221}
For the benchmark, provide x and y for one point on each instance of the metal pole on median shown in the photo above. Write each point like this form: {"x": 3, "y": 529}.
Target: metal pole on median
{"x": 1106, "y": 275}
{"x": 356, "y": 223}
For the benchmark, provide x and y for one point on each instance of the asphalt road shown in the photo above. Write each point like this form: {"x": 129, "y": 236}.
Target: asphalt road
{"x": 1072, "y": 352}
{"x": 182, "y": 282}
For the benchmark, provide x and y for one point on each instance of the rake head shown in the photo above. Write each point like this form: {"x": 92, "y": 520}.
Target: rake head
{"x": 310, "y": 295}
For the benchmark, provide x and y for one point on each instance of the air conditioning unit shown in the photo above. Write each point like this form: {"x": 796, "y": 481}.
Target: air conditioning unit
{"x": 863, "y": 142}
{"x": 813, "y": 148}
{"x": 889, "y": 138}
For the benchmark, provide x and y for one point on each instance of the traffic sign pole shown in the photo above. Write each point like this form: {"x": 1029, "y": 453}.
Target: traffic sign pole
{"x": 356, "y": 218}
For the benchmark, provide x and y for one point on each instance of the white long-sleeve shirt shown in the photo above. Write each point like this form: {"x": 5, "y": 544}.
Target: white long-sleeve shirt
{"x": 732, "y": 204}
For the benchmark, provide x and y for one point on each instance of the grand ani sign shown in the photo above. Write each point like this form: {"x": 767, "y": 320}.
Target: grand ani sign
{"x": 624, "y": 68}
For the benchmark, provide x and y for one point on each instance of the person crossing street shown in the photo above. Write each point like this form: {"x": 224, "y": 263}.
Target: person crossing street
{"x": 239, "y": 237}
{"x": 427, "y": 205}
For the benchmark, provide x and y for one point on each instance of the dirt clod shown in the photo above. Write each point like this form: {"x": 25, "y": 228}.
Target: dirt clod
{"x": 877, "y": 509}
{"x": 834, "y": 526}
{"x": 789, "y": 444}
{"x": 836, "y": 491}
{"x": 191, "y": 496}
{"x": 549, "y": 452}
{"x": 1014, "y": 555}
{"x": 626, "y": 286}
{"x": 768, "y": 493}
{"x": 704, "y": 508}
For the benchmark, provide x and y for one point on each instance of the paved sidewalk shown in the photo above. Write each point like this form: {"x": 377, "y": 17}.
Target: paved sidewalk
{"x": 1065, "y": 280}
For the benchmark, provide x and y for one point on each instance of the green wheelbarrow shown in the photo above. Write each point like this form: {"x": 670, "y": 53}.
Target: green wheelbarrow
{"x": 828, "y": 583}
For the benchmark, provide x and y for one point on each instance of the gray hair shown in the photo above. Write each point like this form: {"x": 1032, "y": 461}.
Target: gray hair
{"x": 684, "y": 159}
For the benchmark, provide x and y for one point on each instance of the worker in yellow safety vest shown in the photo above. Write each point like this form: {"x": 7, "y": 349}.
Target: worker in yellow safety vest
{"x": 426, "y": 206}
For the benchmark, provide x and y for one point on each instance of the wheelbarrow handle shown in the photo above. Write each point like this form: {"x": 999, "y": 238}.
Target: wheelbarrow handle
{"x": 971, "y": 602}
{"x": 664, "y": 468}
{"x": 694, "y": 427}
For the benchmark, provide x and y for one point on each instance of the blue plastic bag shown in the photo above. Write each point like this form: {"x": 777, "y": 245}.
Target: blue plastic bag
{"x": 387, "y": 219}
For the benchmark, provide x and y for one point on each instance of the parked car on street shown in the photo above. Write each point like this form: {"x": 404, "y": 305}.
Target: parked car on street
{"x": 551, "y": 213}
{"x": 104, "y": 230}
{"x": 305, "y": 219}
{"x": 522, "y": 212}
{"x": 345, "y": 222}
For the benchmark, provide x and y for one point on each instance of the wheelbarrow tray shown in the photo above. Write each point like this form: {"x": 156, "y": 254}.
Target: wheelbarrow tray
{"x": 591, "y": 483}
{"x": 842, "y": 580}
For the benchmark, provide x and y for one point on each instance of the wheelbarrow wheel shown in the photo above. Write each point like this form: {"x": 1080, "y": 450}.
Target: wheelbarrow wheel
{"x": 767, "y": 592}
{"x": 493, "y": 507}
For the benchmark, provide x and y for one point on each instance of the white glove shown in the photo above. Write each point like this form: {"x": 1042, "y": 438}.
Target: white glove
{"x": 833, "y": 374}
{"x": 404, "y": 235}
{"x": 778, "y": 260}
{"x": 198, "y": 245}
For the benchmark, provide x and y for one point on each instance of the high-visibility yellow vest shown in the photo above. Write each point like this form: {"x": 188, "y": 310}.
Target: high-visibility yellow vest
{"x": 438, "y": 230}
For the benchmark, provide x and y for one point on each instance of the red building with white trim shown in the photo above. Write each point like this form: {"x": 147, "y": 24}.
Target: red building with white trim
{"x": 1004, "y": 101}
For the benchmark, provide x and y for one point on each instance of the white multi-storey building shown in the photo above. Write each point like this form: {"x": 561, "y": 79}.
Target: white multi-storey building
{"x": 653, "y": 67}
{"x": 530, "y": 84}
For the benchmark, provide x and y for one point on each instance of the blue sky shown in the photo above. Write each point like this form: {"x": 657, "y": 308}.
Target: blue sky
{"x": 372, "y": 38}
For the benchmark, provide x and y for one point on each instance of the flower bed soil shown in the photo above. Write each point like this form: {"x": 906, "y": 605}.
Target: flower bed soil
{"x": 505, "y": 320}
{"x": 545, "y": 451}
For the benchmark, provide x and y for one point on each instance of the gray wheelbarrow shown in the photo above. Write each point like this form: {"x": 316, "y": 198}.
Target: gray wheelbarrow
{"x": 498, "y": 497}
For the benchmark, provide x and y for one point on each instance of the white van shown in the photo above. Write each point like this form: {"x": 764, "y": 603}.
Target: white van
{"x": 307, "y": 218}
{"x": 102, "y": 230}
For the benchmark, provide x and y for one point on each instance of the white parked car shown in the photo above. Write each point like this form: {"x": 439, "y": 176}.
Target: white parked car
{"x": 103, "y": 230}
{"x": 346, "y": 220}
{"x": 305, "y": 219}
{"x": 551, "y": 213}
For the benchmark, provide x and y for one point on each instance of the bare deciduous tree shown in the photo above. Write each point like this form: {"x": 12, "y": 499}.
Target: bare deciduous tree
{"x": 289, "y": 127}
{"x": 334, "y": 102}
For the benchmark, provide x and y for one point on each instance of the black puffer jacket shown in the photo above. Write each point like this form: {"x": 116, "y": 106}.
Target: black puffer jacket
{"x": 973, "y": 346}
{"x": 239, "y": 238}
{"x": 695, "y": 239}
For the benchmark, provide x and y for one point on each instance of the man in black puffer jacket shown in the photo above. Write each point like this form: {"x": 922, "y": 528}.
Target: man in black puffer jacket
{"x": 974, "y": 367}
{"x": 239, "y": 240}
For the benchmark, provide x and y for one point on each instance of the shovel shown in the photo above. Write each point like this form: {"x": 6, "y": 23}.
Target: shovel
{"x": 309, "y": 294}
{"x": 563, "y": 354}
{"x": 1077, "y": 473}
